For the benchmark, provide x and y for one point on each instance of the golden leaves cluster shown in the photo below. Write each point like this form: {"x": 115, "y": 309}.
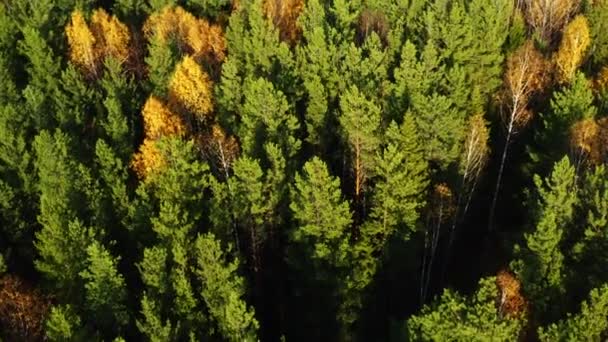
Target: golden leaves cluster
{"x": 572, "y": 49}
{"x": 159, "y": 121}
{"x": 196, "y": 37}
{"x": 190, "y": 88}
{"x": 90, "y": 45}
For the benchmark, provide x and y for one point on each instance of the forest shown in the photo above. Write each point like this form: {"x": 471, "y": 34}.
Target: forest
{"x": 303, "y": 170}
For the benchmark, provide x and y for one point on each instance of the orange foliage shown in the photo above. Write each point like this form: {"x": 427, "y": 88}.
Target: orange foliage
{"x": 219, "y": 148}
{"x": 191, "y": 89}
{"x": 82, "y": 45}
{"x": 284, "y": 14}
{"x": 205, "y": 42}
{"x": 112, "y": 36}
{"x": 160, "y": 121}
{"x": 23, "y": 310}
{"x": 572, "y": 49}
{"x": 148, "y": 160}
{"x": 106, "y": 37}
{"x": 511, "y": 302}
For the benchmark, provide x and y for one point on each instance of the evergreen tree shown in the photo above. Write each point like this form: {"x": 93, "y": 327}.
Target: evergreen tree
{"x": 589, "y": 325}
{"x": 541, "y": 265}
{"x": 222, "y": 290}
{"x": 105, "y": 290}
{"x": 63, "y": 239}
{"x": 456, "y": 317}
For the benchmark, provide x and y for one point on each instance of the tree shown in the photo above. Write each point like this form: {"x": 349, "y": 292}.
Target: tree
{"x": 525, "y": 76}
{"x": 541, "y": 263}
{"x": 112, "y": 37}
{"x": 455, "y": 317}
{"x": 223, "y": 291}
{"x": 569, "y": 106}
{"x": 63, "y": 324}
{"x": 360, "y": 124}
{"x": 473, "y": 160}
{"x": 572, "y": 49}
{"x": 82, "y": 45}
{"x": 548, "y": 17}
{"x": 105, "y": 289}
{"x": 598, "y": 20}
{"x": 62, "y": 241}
{"x": 266, "y": 117}
{"x": 589, "y": 325}
{"x": 284, "y": 15}
{"x": 191, "y": 89}
{"x": 324, "y": 218}
{"x": 400, "y": 183}
{"x": 191, "y": 35}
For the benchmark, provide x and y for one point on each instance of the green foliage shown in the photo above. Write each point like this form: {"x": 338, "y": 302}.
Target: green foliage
{"x": 208, "y": 8}
{"x": 105, "y": 289}
{"x": 541, "y": 267}
{"x": 401, "y": 180}
{"x": 62, "y": 237}
{"x": 598, "y": 24}
{"x": 454, "y": 317}
{"x": 161, "y": 61}
{"x": 588, "y": 325}
{"x": 568, "y": 106}
{"x": 324, "y": 217}
{"x": 223, "y": 290}
{"x": 63, "y": 324}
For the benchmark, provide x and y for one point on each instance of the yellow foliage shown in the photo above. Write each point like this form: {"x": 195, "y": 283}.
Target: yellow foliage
{"x": 148, "y": 160}
{"x": 105, "y": 37}
{"x": 572, "y": 48}
{"x": 190, "y": 88}
{"x": 193, "y": 36}
{"x": 112, "y": 36}
{"x": 159, "y": 121}
{"x": 82, "y": 44}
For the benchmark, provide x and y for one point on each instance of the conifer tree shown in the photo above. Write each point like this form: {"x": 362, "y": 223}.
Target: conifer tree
{"x": 105, "y": 289}
{"x": 360, "y": 124}
{"x": 455, "y": 317}
{"x": 223, "y": 291}
{"x": 323, "y": 216}
{"x": 541, "y": 265}
{"x": 589, "y": 325}
{"x": 63, "y": 239}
